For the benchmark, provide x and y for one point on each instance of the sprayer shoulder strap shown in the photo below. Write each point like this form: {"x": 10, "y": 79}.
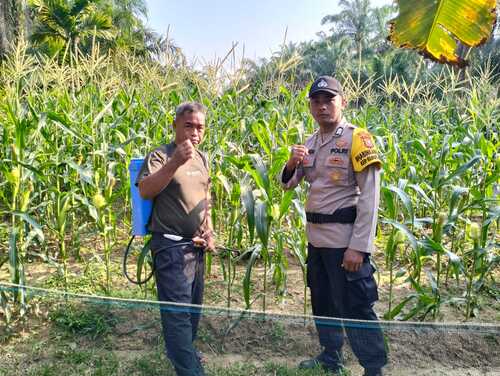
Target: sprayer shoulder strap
{"x": 206, "y": 214}
{"x": 204, "y": 159}
{"x": 168, "y": 149}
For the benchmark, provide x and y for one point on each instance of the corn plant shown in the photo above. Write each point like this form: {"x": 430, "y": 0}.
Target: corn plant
{"x": 68, "y": 132}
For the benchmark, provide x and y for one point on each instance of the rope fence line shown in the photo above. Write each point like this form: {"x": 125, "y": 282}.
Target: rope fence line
{"x": 492, "y": 328}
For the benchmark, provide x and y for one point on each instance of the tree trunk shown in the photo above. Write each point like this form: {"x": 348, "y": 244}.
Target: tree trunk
{"x": 15, "y": 23}
{"x": 23, "y": 19}
{"x": 462, "y": 51}
{"x": 4, "y": 27}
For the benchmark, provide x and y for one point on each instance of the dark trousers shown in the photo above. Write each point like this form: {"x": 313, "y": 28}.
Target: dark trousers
{"x": 349, "y": 295}
{"x": 179, "y": 272}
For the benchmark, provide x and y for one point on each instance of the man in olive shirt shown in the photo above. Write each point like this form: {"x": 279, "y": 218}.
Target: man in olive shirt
{"x": 341, "y": 165}
{"x": 176, "y": 177}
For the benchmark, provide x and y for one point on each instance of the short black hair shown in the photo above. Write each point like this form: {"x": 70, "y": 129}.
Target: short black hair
{"x": 190, "y": 107}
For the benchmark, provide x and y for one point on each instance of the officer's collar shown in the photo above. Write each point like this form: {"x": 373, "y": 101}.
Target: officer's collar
{"x": 337, "y": 132}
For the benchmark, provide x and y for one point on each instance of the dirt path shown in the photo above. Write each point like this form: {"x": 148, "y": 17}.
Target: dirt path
{"x": 136, "y": 336}
{"x": 432, "y": 369}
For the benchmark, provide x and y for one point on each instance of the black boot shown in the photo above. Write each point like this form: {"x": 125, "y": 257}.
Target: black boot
{"x": 373, "y": 372}
{"x": 324, "y": 361}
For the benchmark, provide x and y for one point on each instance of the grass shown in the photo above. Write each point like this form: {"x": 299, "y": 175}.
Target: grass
{"x": 67, "y": 338}
{"x": 82, "y": 340}
{"x": 94, "y": 321}
{"x": 79, "y": 363}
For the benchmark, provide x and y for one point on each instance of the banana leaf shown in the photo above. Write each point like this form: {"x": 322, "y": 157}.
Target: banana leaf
{"x": 435, "y": 27}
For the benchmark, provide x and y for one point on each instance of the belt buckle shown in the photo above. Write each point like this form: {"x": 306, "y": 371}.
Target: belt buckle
{"x": 175, "y": 238}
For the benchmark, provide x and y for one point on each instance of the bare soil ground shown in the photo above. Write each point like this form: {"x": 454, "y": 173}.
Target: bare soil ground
{"x": 232, "y": 341}
{"x": 241, "y": 345}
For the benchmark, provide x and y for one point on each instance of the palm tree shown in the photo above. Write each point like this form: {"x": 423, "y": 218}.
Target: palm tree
{"x": 60, "y": 23}
{"x": 163, "y": 49}
{"x": 127, "y": 17}
{"x": 354, "y": 21}
{"x": 325, "y": 56}
{"x": 381, "y": 17}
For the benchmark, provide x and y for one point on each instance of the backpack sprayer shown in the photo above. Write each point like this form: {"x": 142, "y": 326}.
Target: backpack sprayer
{"x": 141, "y": 208}
{"x": 141, "y": 213}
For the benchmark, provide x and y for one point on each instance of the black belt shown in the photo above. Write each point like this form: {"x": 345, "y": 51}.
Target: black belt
{"x": 342, "y": 215}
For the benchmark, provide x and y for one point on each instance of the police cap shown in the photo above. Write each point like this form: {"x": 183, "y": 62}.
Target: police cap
{"x": 325, "y": 84}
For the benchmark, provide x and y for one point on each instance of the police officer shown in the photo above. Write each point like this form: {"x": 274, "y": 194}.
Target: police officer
{"x": 176, "y": 177}
{"x": 341, "y": 165}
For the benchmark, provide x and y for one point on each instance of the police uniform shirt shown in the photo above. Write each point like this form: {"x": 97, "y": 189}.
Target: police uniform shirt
{"x": 342, "y": 171}
{"x": 182, "y": 207}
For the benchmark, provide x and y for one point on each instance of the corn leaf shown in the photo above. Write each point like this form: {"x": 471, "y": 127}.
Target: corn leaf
{"x": 422, "y": 194}
{"x": 249, "y": 202}
{"x": 285, "y": 202}
{"x": 397, "y": 310}
{"x": 389, "y": 202}
{"x": 262, "y": 134}
{"x": 248, "y": 275}
{"x": 461, "y": 170}
{"x": 34, "y": 224}
{"x": 13, "y": 257}
{"x": 262, "y": 222}
{"x": 64, "y": 123}
{"x": 409, "y": 235}
{"x": 140, "y": 260}
{"x": 84, "y": 173}
{"x": 405, "y": 199}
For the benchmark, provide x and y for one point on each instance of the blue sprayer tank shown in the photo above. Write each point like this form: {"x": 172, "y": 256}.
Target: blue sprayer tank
{"x": 141, "y": 208}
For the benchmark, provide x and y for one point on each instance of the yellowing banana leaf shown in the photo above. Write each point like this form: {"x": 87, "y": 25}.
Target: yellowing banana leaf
{"x": 433, "y": 27}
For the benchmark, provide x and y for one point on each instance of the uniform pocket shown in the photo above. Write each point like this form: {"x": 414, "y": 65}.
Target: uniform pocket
{"x": 336, "y": 168}
{"x": 308, "y": 167}
{"x": 308, "y": 161}
{"x": 361, "y": 286}
{"x": 166, "y": 254}
{"x": 337, "y": 175}
{"x": 189, "y": 265}
{"x": 308, "y": 173}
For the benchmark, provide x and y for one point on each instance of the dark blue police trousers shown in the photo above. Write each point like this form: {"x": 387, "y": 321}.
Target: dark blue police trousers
{"x": 348, "y": 295}
{"x": 179, "y": 272}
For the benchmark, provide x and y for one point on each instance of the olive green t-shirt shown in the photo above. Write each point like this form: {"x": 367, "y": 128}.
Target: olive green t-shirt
{"x": 181, "y": 208}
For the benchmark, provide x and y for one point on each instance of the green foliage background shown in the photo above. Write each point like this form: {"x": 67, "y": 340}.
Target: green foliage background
{"x": 71, "y": 120}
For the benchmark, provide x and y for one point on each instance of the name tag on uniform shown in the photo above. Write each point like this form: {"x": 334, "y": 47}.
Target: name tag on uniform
{"x": 336, "y": 161}
{"x": 339, "y": 150}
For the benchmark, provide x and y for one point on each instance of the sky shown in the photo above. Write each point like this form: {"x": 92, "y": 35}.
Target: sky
{"x": 206, "y": 30}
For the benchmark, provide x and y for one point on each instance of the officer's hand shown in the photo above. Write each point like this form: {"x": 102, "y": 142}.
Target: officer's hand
{"x": 183, "y": 152}
{"x": 296, "y": 157}
{"x": 352, "y": 260}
